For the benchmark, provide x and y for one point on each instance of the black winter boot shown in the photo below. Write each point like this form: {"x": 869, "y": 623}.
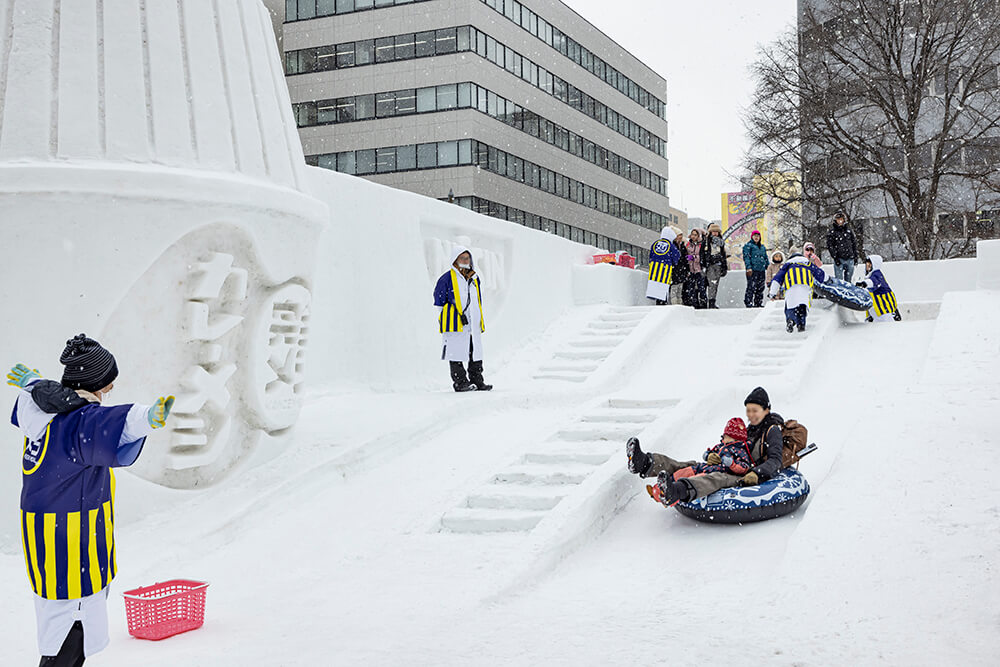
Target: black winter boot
{"x": 638, "y": 461}
{"x": 896, "y": 316}
{"x": 711, "y": 304}
{"x": 789, "y": 326}
{"x": 672, "y": 492}
{"x": 476, "y": 376}
{"x": 459, "y": 380}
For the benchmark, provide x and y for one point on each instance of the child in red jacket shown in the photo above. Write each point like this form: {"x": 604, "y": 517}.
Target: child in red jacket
{"x": 731, "y": 455}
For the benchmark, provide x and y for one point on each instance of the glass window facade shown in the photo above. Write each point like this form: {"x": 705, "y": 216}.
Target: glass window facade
{"x": 468, "y": 95}
{"x": 404, "y": 47}
{"x": 469, "y": 152}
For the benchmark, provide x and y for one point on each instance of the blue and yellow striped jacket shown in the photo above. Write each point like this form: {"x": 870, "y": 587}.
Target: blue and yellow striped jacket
{"x": 663, "y": 255}
{"x": 67, "y": 502}
{"x": 449, "y": 297}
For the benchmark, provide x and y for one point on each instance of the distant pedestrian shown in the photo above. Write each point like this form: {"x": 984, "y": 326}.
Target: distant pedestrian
{"x": 694, "y": 285}
{"x": 777, "y": 259}
{"x": 681, "y": 270}
{"x": 843, "y": 247}
{"x": 755, "y": 261}
{"x": 663, "y": 257}
{"x": 716, "y": 262}
{"x": 809, "y": 250}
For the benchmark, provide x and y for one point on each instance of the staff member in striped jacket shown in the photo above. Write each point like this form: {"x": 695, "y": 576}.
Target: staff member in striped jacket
{"x": 71, "y": 444}
{"x": 797, "y": 276}
{"x": 663, "y": 256}
{"x": 459, "y": 296}
{"x": 883, "y": 299}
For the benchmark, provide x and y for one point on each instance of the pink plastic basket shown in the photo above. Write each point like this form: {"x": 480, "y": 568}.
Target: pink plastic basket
{"x": 163, "y": 610}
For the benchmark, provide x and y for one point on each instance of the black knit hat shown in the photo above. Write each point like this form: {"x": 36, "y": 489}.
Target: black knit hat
{"x": 759, "y": 397}
{"x": 88, "y": 365}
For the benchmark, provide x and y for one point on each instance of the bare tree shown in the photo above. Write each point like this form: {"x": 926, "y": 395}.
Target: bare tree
{"x": 888, "y": 109}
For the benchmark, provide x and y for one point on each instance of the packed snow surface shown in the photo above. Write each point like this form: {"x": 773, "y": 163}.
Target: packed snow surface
{"x": 337, "y": 553}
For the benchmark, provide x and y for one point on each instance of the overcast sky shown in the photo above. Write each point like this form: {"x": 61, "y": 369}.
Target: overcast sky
{"x": 703, "y": 50}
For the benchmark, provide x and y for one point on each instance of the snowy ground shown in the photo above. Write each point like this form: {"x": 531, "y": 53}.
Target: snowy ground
{"x": 334, "y": 554}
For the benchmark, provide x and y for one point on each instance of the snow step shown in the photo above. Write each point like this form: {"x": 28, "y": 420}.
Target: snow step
{"x": 561, "y": 377}
{"x": 597, "y": 432}
{"x": 583, "y": 367}
{"x": 620, "y": 417}
{"x": 513, "y": 497}
{"x": 567, "y": 456}
{"x": 550, "y": 474}
{"x": 598, "y": 355}
{"x": 630, "y": 309}
{"x": 612, "y": 326}
{"x": 605, "y": 343}
{"x": 622, "y": 317}
{"x": 641, "y": 404}
{"x": 760, "y": 371}
{"x": 757, "y": 361}
{"x": 471, "y": 520}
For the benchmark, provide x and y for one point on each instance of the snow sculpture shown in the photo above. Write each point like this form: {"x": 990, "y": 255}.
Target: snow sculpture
{"x": 154, "y": 143}
{"x": 988, "y": 265}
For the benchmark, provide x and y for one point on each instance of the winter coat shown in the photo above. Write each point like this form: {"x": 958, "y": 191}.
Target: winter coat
{"x": 68, "y": 489}
{"x": 456, "y": 295}
{"x": 694, "y": 255}
{"x": 715, "y": 253}
{"x": 681, "y": 269}
{"x": 772, "y": 268}
{"x": 755, "y": 256}
{"x": 735, "y": 459}
{"x": 663, "y": 256}
{"x": 766, "y": 446}
{"x": 842, "y": 243}
{"x": 797, "y": 276}
{"x": 884, "y": 301}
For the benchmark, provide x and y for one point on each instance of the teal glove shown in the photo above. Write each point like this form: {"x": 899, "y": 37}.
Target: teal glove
{"x": 21, "y": 375}
{"x": 158, "y": 414}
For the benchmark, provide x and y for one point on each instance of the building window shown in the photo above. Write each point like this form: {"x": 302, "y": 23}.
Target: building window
{"x": 426, "y": 156}
{"x": 366, "y": 161}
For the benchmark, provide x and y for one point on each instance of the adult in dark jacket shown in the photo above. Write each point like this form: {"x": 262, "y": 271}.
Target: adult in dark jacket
{"x": 694, "y": 285}
{"x": 763, "y": 434}
{"x": 681, "y": 272}
{"x": 714, "y": 261}
{"x": 755, "y": 260}
{"x": 843, "y": 247}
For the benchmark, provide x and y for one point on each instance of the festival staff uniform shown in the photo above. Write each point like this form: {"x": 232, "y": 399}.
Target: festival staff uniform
{"x": 71, "y": 443}
{"x": 797, "y": 276}
{"x": 455, "y": 296}
{"x": 663, "y": 256}
{"x": 884, "y": 306}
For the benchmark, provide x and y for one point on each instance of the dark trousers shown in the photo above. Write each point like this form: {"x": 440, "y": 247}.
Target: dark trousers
{"x": 71, "y": 652}
{"x": 475, "y": 375}
{"x": 694, "y": 291}
{"x": 797, "y": 315}
{"x": 754, "y": 296}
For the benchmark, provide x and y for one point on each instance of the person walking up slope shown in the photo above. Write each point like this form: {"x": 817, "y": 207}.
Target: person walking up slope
{"x": 883, "y": 299}
{"x": 663, "y": 255}
{"x": 71, "y": 443}
{"x": 755, "y": 261}
{"x": 797, "y": 276}
{"x": 461, "y": 322}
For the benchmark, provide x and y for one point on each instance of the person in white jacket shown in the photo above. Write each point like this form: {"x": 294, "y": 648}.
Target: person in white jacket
{"x": 797, "y": 276}
{"x": 459, "y": 298}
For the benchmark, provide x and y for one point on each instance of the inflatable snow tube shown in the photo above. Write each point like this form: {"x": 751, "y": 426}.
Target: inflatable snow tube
{"x": 844, "y": 294}
{"x": 775, "y": 497}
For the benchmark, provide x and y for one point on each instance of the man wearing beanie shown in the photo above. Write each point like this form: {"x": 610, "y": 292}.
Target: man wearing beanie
{"x": 764, "y": 441}
{"x": 71, "y": 443}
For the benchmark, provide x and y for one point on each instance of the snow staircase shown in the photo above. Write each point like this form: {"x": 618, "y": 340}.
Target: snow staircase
{"x": 518, "y": 497}
{"x": 773, "y": 350}
{"x": 583, "y": 354}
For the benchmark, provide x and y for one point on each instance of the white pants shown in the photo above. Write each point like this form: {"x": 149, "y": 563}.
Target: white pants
{"x": 56, "y": 617}
{"x": 456, "y": 344}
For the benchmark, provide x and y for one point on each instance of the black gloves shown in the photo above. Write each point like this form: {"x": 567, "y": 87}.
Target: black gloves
{"x": 861, "y": 284}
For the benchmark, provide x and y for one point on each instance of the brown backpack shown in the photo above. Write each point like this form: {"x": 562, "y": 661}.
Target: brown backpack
{"x": 794, "y": 437}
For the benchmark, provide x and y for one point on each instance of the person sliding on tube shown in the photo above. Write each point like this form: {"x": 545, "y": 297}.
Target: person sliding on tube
{"x": 797, "y": 276}
{"x": 459, "y": 296}
{"x": 883, "y": 299}
{"x": 71, "y": 443}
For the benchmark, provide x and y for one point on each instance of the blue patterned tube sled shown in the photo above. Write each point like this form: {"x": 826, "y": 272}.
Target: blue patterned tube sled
{"x": 844, "y": 294}
{"x": 775, "y": 497}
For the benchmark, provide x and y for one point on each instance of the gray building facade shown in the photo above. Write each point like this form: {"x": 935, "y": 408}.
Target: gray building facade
{"x": 521, "y": 110}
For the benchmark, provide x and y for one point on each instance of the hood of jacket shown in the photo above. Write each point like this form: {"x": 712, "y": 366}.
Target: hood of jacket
{"x": 668, "y": 233}
{"x": 458, "y": 251}
{"x": 55, "y": 399}
{"x": 798, "y": 259}
{"x": 775, "y": 254}
{"x": 876, "y": 261}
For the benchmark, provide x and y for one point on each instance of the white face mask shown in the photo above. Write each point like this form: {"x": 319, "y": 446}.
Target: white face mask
{"x": 465, "y": 266}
